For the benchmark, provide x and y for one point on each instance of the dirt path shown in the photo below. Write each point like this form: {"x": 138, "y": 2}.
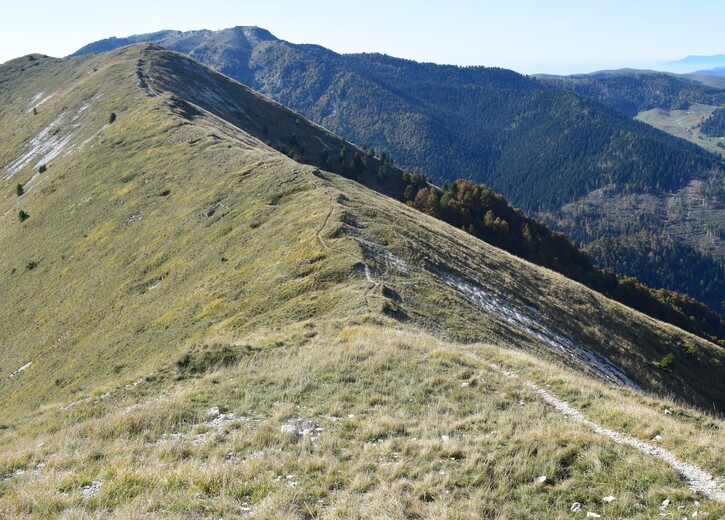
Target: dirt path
{"x": 321, "y": 230}
{"x": 371, "y": 288}
{"x": 143, "y": 79}
{"x": 698, "y": 479}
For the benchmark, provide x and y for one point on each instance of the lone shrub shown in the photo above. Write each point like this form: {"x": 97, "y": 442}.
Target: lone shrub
{"x": 22, "y": 215}
{"x": 667, "y": 363}
{"x": 111, "y": 118}
{"x": 19, "y": 189}
{"x": 208, "y": 358}
{"x": 42, "y": 168}
{"x": 690, "y": 348}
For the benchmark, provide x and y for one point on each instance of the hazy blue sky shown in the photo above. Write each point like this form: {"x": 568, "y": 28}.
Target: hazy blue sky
{"x": 525, "y": 35}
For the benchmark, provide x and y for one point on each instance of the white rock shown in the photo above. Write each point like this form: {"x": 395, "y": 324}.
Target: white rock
{"x": 591, "y": 514}
{"x": 91, "y": 490}
{"x": 576, "y": 507}
{"x": 657, "y": 438}
{"x": 609, "y": 499}
{"x": 299, "y": 427}
{"x": 214, "y": 410}
{"x": 540, "y": 480}
{"x": 666, "y": 502}
{"x": 445, "y": 438}
{"x": 668, "y": 411}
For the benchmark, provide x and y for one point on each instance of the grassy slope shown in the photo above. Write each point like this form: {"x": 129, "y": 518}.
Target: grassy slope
{"x": 168, "y": 231}
{"x": 412, "y": 427}
{"x": 162, "y": 228}
{"x": 684, "y": 124}
{"x": 173, "y": 243}
{"x": 127, "y": 273}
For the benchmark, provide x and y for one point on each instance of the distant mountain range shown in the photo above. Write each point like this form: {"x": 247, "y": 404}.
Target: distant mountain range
{"x": 717, "y": 71}
{"x": 705, "y": 69}
{"x": 691, "y": 63}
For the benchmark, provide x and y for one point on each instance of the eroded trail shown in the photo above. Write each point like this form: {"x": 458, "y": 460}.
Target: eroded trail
{"x": 325, "y": 245}
{"x": 698, "y": 479}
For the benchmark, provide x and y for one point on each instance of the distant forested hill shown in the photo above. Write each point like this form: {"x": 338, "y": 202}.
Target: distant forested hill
{"x": 714, "y": 126}
{"x": 632, "y": 92}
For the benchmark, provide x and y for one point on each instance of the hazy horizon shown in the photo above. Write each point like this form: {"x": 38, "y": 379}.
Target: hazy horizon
{"x": 560, "y": 37}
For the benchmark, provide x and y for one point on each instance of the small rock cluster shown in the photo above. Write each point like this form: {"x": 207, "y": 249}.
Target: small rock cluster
{"x": 302, "y": 428}
{"x": 217, "y": 423}
{"x": 91, "y": 489}
{"x": 577, "y": 507}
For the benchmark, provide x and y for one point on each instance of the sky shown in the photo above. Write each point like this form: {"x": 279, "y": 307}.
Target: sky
{"x": 529, "y": 36}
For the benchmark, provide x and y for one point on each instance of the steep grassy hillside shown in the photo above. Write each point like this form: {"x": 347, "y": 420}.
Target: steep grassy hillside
{"x": 195, "y": 324}
{"x": 474, "y": 208}
{"x": 170, "y": 227}
{"x": 544, "y": 148}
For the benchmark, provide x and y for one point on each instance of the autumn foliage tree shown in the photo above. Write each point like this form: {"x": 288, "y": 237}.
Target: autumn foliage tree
{"x": 485, "y": 214}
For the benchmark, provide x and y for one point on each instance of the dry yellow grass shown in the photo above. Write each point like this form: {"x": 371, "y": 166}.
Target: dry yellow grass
{"x": 411, "y": 426}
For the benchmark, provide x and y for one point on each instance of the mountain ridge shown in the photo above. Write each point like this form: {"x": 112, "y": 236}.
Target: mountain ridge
{"x": 716, "y": 71}
{"x": 544, "y": 160}
{"x": 367, "y": 63}
{"x": 699, "y": 61}
{"x": 187, "y": 92}
{"x": 195, "y": 323}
